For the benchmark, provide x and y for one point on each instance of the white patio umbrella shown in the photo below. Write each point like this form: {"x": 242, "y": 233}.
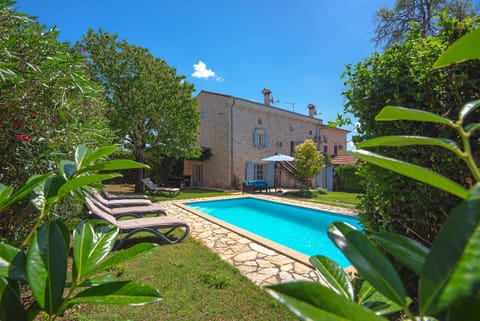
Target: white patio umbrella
{"x": 278, "y": 157}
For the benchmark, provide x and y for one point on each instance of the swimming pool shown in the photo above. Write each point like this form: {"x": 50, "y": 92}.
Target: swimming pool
{"x": 299, "y": 228}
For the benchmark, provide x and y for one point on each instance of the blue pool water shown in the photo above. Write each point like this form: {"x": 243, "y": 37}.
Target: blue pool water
{"x": 301, "y": 229}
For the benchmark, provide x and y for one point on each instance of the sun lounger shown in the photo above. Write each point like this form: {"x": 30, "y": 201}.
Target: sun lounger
{"x": 153, "y": 188}
{"x": 137, "y": 211}
{"x": 110, "y": 196}
{"x": 153, "y": 225}
{"x": 120, "y": 202}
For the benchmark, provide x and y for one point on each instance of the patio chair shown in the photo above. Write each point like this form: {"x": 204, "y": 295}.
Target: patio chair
{"x": 154, "y": 188}
{"x": 110, "y": 196}
{"x": 137, "y": 211}
{"x": 120, "y": 202}
{"x": 153, "y": 225}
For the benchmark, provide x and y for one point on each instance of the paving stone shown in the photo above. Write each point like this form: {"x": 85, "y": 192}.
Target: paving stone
{"x": 242, "y": 257}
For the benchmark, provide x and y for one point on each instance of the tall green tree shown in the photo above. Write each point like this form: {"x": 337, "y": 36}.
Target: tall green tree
{"x": 393, "y": 24}
{"x": 150, "y": 107}
{"x": 308, "y": 161}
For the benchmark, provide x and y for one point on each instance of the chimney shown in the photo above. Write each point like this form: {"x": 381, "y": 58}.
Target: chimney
{"x": 266, "y": 96}
{"x": 312, "y": 110}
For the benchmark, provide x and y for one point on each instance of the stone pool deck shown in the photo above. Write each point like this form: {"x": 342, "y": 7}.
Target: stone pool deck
{"x": 260, "y": 263}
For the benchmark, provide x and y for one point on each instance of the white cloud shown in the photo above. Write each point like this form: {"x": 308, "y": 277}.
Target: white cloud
{"x": 201, "y": 71}
{"x": 351, "y": 146}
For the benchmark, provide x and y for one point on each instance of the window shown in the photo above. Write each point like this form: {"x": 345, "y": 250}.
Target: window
{"x": 310, "y": 132}
{"x": 260, "y": 138}
{"x": 260, "y": 121}
{"x": 325, "y": 149}
{"x": 258, "y": 171}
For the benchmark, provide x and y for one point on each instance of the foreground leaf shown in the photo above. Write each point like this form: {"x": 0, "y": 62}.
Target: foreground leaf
{"x": 467, "y": 109}
{"x": 409, "y": 252}
{"x": 47, "y": 265}
{"x": 399, "y": 141}
{"x": 98, "y": 154}
{"x": 113, "y": 165}
{"x": 370, "y": 263}
{"x": 82, "y": 181}
{"x": 11, "y": 307}
{"x": 90, "y": 247}
{"x": 313, "y": 301}
{"x": 7, "y": 199}
{"x": 413, "y": 171}
{"x": 118, "y": 293}
{"x": 333, "y": 275}
{"x": 12, "y": 263}
{"x": 465, "y": 48}
{"x": 389, "y": 113}
{"x": 451, "y": 269}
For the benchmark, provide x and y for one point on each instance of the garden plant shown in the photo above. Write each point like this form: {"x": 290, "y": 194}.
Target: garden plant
{"x": 448, "y": 272}
{"x": 38, "y": 267}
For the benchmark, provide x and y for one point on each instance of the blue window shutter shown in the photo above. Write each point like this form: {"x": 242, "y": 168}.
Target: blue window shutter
{"x": 266, "y": 140}
{"x": 255, "y": 138}
{"x": 249, "y": 173}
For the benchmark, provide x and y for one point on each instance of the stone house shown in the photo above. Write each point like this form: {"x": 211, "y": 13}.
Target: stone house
{"x": 240, "y": 132}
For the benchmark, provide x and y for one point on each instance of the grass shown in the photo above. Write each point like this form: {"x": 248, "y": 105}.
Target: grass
{"x": 340, "y": 199}
{"x": 189, "y": 194}
{"x": 195, "y": 283}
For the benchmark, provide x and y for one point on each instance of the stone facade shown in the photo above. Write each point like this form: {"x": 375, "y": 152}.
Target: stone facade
{"x": 241, "y": 132}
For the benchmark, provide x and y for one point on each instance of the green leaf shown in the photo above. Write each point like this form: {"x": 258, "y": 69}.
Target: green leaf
{"x": 11, "y": 307}
{"x": 113, "y": 165}
{"x": 98, "y": 280}
{"x": 80, "y": 153}
{"x": 409, "y": 252}
{"x": 99, "y": 153}
{"x": 413, "y": 171}
{"x": 67, "y": 168}
{"x": 399, "y": 141}
{"x": 46, "y": 266}
{"x": 312, "y": 301}
{"x": 379, "y": 303}
{"x": 333, "y": 275}
{"x": 7, "y": 199}
{"x": 12, "y": 263}
{"x": 5, "y": 192}
{"x": 119, "y": 293}
{"x": 370, "y": 263}
{"x": 451, "y": 269}
{"x": 389, "y": 113}
{"x": 118, "y": 257}
{"x": 468, "y": 109}
{"x": 366, "y": 291}
{"x": 82, "y": 181}
{"x": 465, "y": 48}
{"x": 91, "y": 247}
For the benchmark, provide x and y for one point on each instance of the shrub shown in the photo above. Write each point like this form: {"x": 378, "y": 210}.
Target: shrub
{"x": 346, "y": 179}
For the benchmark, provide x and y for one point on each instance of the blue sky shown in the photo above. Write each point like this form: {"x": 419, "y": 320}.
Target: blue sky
{"x": 298, "y": 49}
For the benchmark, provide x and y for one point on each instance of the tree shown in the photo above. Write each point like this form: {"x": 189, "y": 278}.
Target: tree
{"x": 394, "y": 24}
{"x": 150, "y": 107}
{"x": 48, "y": 104}
{"x": 308, "y": 161}
{"x": 402, "y": 76}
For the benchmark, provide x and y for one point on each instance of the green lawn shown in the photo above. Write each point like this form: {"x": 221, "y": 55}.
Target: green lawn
{"x": 196, "y": 284}
{"x": 341, "y": 199}
{"x": 188, "y": 194}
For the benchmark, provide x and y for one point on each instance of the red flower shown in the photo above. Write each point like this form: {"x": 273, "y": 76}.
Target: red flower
{"x": 34, "y": 115}
{"x": 22, "y": 138}
{"x": 36, "y": 128}
{"x": 17, "y": 122}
